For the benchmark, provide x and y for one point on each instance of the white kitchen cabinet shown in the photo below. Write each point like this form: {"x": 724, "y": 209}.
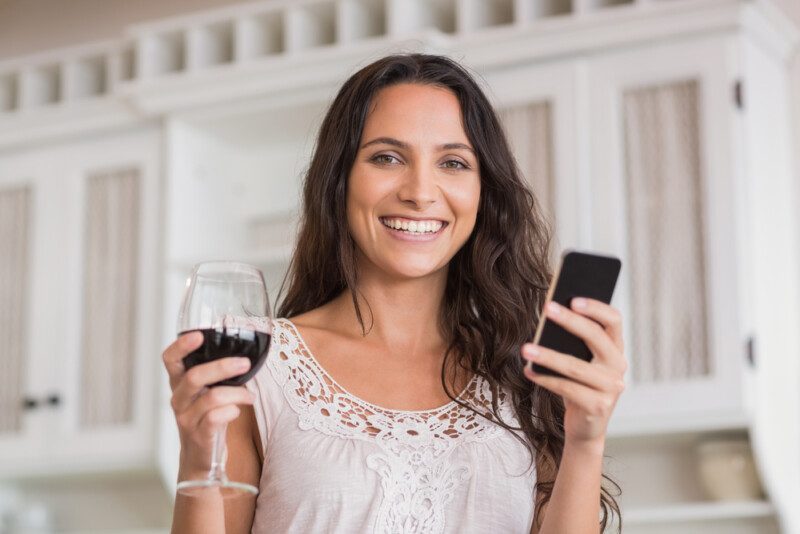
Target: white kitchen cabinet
{"x": 72, "y": 387}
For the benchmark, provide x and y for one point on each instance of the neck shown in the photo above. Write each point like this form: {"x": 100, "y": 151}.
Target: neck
{"x": 399, "y": 314}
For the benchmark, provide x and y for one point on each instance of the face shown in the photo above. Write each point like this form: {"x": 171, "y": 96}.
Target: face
{"x": 414, "y": 188}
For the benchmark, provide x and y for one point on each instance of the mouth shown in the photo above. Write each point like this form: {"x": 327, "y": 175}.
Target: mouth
{"x": 413, "y": 227}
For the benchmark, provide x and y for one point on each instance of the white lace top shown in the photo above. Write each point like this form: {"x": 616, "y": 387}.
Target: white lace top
{"x": 336, "y": 463}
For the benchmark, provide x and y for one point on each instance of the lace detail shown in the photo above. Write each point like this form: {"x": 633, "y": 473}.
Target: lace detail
{"x": 416, "y": 477}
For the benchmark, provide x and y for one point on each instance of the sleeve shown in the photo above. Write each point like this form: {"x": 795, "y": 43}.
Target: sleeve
{"x": 269, "y": 398}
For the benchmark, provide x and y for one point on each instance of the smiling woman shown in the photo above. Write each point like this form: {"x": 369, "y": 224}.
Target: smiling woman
{"x": 393, "y": 398}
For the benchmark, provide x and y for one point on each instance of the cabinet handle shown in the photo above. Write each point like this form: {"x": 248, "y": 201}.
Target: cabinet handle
{"x": 29, "y": 403}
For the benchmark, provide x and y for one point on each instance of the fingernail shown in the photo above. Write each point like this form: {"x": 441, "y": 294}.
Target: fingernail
{"x": 530, "y": 351}
{"x": 242, "y": 363}
{"x": 579, "y": 303}
{"x": 554, "y": 308}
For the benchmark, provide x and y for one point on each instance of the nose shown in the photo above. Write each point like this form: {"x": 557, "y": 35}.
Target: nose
{"x": 419, "y": 188}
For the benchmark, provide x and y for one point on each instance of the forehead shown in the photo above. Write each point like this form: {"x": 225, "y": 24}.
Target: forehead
{"x": 415, "y": 110}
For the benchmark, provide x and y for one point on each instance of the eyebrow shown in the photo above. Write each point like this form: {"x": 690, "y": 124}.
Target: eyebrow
{"x": 400, "y": 144}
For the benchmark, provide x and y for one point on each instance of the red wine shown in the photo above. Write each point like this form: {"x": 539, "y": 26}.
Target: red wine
{"x": 224, "y": 342}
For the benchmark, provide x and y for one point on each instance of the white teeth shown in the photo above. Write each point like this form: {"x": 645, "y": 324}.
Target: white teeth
{"x": 416, "y": 227}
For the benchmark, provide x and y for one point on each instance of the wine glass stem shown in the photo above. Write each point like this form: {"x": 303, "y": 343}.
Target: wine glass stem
{"x": 218, "y": 451}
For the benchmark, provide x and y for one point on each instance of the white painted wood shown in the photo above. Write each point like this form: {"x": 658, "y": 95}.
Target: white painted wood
{"x": 257, "y": 36}
{"x": 360, "y": 19}
{"x": 699, "y": 512}
{"x": 472, "y": 15}
{"x": 40, "y": 85}
{"x": 84, "y": 78}
{"x": 408, "y": 17}
{"x": 207, "y": 46}
{"x": 309, "y": 25}
{"x": 160, "y": 54}
{"x": 773, "y": 262}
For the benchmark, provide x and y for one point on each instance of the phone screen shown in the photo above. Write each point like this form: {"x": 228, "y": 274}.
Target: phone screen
{"x": 579, "y": 274}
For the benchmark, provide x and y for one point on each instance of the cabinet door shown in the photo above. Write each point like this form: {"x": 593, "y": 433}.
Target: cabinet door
{"x": 21, "y": 384}
{"x": 663, "y": 198}
{"x": 537, "y": 105}
{"x": 107, "y": 379}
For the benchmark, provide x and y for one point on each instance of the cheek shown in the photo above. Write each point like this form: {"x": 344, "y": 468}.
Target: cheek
{"x": 363, "y": 195}
{"x": 465, "y": 201}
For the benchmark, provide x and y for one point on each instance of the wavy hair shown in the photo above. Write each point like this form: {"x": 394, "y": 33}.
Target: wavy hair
{"x": 496, "y": 283}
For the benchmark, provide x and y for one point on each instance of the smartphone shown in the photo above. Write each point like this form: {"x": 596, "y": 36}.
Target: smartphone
{"x": 579, "y": 274}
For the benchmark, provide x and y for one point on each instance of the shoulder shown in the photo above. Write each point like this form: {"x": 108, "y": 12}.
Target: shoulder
{"x": 322, "y": 326}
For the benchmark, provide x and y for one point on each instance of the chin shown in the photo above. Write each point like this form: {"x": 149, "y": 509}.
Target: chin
{"x": 414, "y": 270}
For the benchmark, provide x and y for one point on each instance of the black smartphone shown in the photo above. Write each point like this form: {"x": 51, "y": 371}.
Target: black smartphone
{"x": 579, "y": 274}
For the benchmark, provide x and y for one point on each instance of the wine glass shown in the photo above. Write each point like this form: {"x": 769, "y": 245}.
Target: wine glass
{"x": 227, "y": 302}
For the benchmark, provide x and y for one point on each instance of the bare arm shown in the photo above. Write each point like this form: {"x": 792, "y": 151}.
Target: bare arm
{"x": 574, "y": 505}
{"x": 201, "y": 411}
{"x": 590, "y": 391}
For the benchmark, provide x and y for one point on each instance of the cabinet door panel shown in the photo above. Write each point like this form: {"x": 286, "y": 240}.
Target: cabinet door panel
{"x": 15, "y": 205}
{"x": 110, "y": 282}
{"x": 663, "y": 198}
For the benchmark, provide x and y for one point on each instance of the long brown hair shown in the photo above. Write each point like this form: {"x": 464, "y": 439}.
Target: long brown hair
{"x": 496, "y": 282}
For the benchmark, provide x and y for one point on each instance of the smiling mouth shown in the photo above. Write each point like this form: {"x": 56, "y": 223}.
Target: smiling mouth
{"x": 410, "y": 227}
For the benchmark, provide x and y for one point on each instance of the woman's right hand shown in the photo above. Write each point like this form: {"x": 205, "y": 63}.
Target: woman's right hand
{"x": 201, "y": 411}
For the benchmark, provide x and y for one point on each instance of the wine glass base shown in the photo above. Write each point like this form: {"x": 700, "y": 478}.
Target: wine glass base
{"x": 226, "y": 488}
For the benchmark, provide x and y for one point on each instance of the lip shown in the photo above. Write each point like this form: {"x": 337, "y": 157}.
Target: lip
{"x": 424, "y": 238}
{"x": 395, "y": 216}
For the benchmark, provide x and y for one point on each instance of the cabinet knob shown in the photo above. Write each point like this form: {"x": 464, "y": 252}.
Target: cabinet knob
{"x": 54, "y": 399}
{"x": 29, "y": 403}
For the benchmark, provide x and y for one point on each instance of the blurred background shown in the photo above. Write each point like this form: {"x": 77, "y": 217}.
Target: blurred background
{"x": 138, "y": 138}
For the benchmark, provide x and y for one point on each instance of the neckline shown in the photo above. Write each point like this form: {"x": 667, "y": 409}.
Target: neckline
{"x": 356, "y": 398}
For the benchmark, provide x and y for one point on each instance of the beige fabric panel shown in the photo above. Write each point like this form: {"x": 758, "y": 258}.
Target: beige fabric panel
{"x": 110, "y": 289}
{"x": 14, "y": 238}
{"x": 665, "y": 221}
{"x": 529, "y": 128}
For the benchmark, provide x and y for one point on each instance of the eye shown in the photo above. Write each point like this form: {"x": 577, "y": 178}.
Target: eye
{"x": 385, "y": 159}
{"x": 454, "y": 164}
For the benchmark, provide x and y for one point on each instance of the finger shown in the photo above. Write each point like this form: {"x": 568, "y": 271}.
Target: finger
{"x": 592, "y": 402}
{"x": 593, "y": 376}
{"x": 196, "y": 379}
{"x": 595, "y": 337}
{"x": 212, "y": 399}
{"x": 215, "y": 420}
{"x": 606, "y": 315}
{"x": 174, "y": 354}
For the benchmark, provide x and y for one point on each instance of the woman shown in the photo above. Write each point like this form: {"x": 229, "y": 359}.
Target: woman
{"x": 394, "y": 397}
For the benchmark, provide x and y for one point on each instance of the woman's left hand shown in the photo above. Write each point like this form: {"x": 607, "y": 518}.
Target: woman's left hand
{"x": 590, "y": 389}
